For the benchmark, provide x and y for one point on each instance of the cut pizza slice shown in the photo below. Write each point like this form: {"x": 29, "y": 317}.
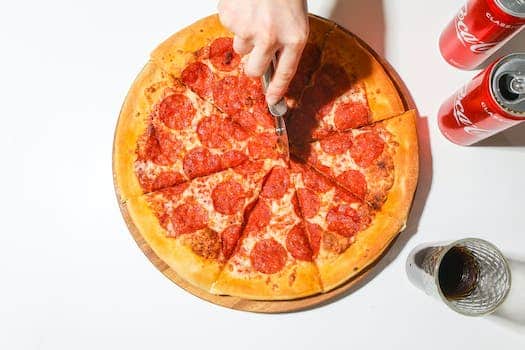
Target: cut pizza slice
{"x": 188, "y": 138}
{"x": 374, "y": 162}
{"x": 211, "y": 68}
{"x": 349, "y": 90}
{"x": 194, "y": 226}
{"x": 183, "y": 137}
{"x": 274, "y": 259}
{"x": 345, "y": 234}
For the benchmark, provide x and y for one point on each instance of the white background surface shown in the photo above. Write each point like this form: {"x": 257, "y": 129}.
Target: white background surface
{"x": 71, "y": 277}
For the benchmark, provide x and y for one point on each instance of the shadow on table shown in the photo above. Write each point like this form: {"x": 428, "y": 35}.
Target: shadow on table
{"x": 515, "y": 44}
{"x": 513, "y": 137}
{"x": 366, "y": 19}
{"x": 511, "y": 314}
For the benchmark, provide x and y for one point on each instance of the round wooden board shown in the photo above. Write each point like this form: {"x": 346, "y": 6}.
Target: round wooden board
{"x": 278, "y": 306}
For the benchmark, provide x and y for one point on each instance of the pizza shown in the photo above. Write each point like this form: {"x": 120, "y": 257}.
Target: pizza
{"x": 200, "y": 177}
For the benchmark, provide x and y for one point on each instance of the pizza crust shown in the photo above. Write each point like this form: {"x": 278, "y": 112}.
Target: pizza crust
{"x": 384, "y": 101}
{"x": 294, "y": 281}
{"x": 194, "y": 269}
{"x": 366, "y": 249}
{"x": 176, "y": 52}
{"x": 392, "y": 217}
{"x": 406, "y": 165}
{"x": 133, "y": 120}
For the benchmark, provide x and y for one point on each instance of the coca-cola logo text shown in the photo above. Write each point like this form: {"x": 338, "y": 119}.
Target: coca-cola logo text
{"x": 461, "y": 118}
{"x": 468, "y": 39}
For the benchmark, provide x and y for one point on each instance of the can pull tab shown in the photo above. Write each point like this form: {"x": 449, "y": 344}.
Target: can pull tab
{"x": 512, "y": 87}
{"x": 517, "y": 84}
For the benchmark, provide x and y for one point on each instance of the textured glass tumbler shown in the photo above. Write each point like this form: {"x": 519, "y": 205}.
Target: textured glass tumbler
{"x": 476, "y": 267}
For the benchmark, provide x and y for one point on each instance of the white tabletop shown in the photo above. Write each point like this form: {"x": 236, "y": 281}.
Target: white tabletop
{"x": 73, "y": 278}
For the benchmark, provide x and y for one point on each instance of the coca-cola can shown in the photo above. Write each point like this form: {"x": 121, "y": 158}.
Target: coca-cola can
{"x": 491, "y": 102}
{"x": 478, "y": 29}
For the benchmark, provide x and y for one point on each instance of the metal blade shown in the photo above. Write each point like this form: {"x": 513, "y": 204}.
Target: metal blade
{"x": 278, "y": 110}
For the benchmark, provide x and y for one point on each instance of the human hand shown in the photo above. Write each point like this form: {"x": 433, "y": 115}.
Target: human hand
{"x": 263, "y": 28}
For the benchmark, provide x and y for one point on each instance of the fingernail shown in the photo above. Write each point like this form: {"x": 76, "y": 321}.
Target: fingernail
{"x": 272, "y": 99}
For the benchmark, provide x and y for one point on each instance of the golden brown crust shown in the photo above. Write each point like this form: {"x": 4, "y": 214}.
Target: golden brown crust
{"x": 367, "y": 248}
{"x": 383, "y": 98}
{"x": 295, "y": 281}
{"x": 391, "y": 218}
{"x": 194, "y": 269}
{"x": 319, "y": 29}
{"x": 132, "y": 122}
{"x": 176, "y": 52}
{"x": 406, "y": 165}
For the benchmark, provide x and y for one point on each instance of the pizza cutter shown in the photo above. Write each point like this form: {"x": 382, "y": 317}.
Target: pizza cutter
{"x": 278, "y": 111}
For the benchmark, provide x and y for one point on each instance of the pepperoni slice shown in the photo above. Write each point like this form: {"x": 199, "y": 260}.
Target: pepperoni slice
{"x": 262, "y": 115}
{"x": 200, "y": 162}
{"x": 229, "y": 237}
{"x": 315, "y": 181}
{"x": 187, "y": 218}
{"x": 148, "y": 147}
{"x": 199, "y": 78}
{"x": 276, "y": 184}
{"x": 170, "y": 148}
{"x": 309, "y": 202}
{"x": 314, "y": 235}
{"x": 250, "y": 91}
{"x": 222, "y": 55}
{"x": 258, "y": 117}
{"x": 351, "y": 115}
{"x": 295, "y": 204}
{"x": 354, "y": 181}
{"x": 337, "y": 144}
{"x": 160, "y": 148}
{"x": 259, "y": 217}
{"x": 166, "y": 179}
{"x": 174, "y": 193}
{"x": 297, "y": 243}
{"x": 206, "y": 243}
{"x": 342, "y": 195}
{"x": 245, "y": 119}
{"x": 233, "y": 159}
{"x": 263, "y": 146}
{"x": 217, "y": 132}
{"x": 366, "y": 148}
{"x": 343, "y": 220}
{"x": 228, "y": 197}
{"x": 210, "y": 132}
{"x": 176, "y": 111}
{"x": 249, "y": 168}
{"x": 226, "y": 94}
{"x": 268, "y": 256}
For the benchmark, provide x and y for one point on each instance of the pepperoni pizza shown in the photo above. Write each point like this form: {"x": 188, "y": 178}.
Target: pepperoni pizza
{"x": 200, "y": 177}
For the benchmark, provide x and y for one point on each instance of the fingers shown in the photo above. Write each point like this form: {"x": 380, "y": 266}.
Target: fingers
{"x": 259, "y": 59}
{"x": 284, "y": 73}
{"x": 242, "y": 46}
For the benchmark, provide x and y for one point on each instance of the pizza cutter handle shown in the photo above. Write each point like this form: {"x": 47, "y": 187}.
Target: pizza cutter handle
{"x": 279, "y": 109}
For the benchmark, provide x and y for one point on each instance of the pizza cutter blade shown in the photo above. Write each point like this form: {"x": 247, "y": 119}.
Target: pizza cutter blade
{"x": 278, "y": 111}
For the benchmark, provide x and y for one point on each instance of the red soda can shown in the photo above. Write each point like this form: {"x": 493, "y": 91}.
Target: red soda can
{"x": 478, "y": 29}
{"x": 492, "y": 101}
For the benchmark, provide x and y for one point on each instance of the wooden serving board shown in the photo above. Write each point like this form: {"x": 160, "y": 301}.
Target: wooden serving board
{"x": 279, "y": 306}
